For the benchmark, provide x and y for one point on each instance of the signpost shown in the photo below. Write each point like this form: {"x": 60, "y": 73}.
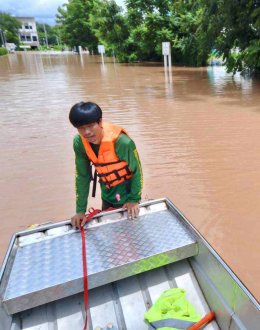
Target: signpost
{"x": 46, "y": 36}
{"x": 101, "y": 50}
{"x": 166, "y": 50}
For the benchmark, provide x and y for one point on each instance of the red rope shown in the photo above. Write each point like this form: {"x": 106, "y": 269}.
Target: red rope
{"x": 92, "y": 213}
{"x": 85, "y": 275}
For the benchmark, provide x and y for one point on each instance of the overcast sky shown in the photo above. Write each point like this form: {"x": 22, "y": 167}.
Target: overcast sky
{"x": 43, "y": 10}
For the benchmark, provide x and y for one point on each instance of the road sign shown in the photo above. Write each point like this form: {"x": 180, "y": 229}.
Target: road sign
{"x": 101, "y": 49}
{"x": 166, "y": 49}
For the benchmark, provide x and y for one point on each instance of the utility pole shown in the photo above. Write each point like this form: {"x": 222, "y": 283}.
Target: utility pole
{"x": 3, "y": 38}
{"x": 46, "y": 36}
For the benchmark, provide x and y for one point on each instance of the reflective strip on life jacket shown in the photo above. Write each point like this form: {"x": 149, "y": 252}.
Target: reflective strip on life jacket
{"x": 171, "y": 323}
{"x": 172, "y": 311}
{"x": 110, "y": 169}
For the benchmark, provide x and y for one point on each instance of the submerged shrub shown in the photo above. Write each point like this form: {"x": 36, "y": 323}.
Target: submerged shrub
{"x": 3, "y": 51}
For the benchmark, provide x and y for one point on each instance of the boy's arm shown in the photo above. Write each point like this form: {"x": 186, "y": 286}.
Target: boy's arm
{"x": 82, "y": 175}
{"x": 126, "y": 150}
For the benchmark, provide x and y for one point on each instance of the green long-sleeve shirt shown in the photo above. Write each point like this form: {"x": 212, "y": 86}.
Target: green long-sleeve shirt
{"x": 129, "y": 191}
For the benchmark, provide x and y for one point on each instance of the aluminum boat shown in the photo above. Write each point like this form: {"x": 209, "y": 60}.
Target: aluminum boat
{"x": 129, "y": 263}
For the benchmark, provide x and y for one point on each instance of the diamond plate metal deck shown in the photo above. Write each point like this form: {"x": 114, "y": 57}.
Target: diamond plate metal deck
{"x": 47, "y": 268}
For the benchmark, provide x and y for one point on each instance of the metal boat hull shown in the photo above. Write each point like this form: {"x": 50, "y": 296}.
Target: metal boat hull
{"x": 130, "y": 263}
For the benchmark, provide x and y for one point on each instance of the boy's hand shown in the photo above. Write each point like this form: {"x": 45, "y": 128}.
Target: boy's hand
{"x": 78, "y": 220}
{"x": 132, "y": 209}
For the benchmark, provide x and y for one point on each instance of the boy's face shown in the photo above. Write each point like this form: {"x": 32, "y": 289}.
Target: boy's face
{"x": 92, "y": 132}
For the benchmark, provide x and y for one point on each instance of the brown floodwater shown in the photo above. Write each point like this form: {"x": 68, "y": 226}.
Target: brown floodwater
{"x": 197, "y": 133}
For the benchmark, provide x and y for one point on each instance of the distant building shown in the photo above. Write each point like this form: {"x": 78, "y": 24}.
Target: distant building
{"x": 28, "y": 33}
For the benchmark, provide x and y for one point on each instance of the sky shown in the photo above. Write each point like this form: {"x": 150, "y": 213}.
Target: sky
{"x": 43, "y": 10}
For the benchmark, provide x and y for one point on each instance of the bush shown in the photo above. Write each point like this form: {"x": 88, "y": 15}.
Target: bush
{"x": 3, "y": 51}
{"x": 58, "y": 47}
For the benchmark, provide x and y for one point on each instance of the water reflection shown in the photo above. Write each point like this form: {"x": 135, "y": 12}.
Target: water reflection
{"x": 168, "y": 82}
{"x": 221, "y": 80}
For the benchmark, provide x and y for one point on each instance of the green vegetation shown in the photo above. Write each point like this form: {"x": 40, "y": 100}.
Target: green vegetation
{"x": 153, "y": 22}
{"x": 9, "y": 27}
{"x": 233, "y": 29}
{"x": 3, "y": 51}
{"x": 110, "y": 28}
{"x": 194, "y": 28}
{"x": 52, "y": 34}
{"x": 76, "y": 29}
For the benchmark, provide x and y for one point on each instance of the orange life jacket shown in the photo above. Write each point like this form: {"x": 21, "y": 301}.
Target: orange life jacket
{"x": 110, "y": 169}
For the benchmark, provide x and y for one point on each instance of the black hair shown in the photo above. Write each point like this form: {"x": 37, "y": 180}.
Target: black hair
{"x": 84, "y": 113}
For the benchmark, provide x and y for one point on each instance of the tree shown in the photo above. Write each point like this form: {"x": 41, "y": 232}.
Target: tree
{"x": 194, "y": 28}
{"x": 74, "y": 20}
{"x": 10, "y": 27}
{"x": 148, "y": 23}
{"x": 60, "y": 20}
{"x": 110, "y": 27}
{"x": 233, "y": 29}
{"x": 152, "y": 22}
{"x": 52, "y": 33}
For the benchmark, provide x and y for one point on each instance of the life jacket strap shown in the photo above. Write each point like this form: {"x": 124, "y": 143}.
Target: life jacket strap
{"x": 116, "y": 172}
{"x": 94, "y": 188}
{"x": 125, "y": 177}
{"x": 106, "y": 164}
{"x": 109, "y": 183}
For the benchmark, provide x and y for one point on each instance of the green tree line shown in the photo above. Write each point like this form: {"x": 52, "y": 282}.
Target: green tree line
{"x": 9, "y": 27}
{"x": 48, "y": 35}
{"x": 194, "y": 28}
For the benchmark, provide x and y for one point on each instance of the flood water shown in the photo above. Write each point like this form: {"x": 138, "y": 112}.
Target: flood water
{"x": 197, "y": 133}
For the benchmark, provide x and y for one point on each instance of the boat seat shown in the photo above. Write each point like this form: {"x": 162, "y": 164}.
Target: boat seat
{"x": 47, "y": 264}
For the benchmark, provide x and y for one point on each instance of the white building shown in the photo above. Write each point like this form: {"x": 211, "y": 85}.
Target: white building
{"x": 28, "y": 33}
